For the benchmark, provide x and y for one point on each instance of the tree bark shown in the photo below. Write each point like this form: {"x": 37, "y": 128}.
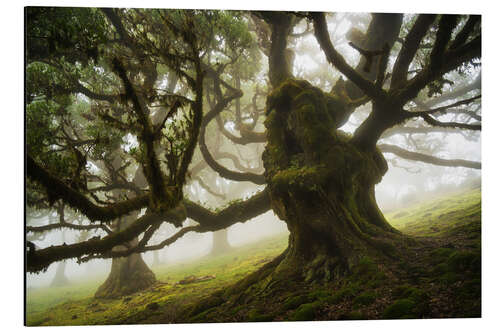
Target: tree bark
{"x": 322, "y": 186}
{"x": 128, "y": 275}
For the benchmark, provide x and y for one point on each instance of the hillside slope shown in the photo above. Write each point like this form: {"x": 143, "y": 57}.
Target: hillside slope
{"x": 439, "y": 277}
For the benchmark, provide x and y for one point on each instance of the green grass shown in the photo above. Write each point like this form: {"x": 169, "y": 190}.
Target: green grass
{"x": 437, "y": 216}
{"x": 75, "y": 305}
{"x": 446, "y": 276}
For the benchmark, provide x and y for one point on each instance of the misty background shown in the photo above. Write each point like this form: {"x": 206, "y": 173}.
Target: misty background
{"x": 405, "y": 183}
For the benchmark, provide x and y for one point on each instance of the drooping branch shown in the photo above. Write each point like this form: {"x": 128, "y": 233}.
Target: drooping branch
{"x": 141, "y": 249}
{"x": 56, "y": 189}
{"x": 222, "y": 171}
{"x": 41, "y": 259}
{"x": 241, "y": 211}
{"x": 219, "y": 156}
{"x": 434, "y": 122}
{"x": 414, "y": 156}
{"x": 60, "y": 225}
{"x": 79, "y": 88}
{"x": 209, "y": 221}
{"x": 417, "y": 130}
{"x": 209, "y": 189}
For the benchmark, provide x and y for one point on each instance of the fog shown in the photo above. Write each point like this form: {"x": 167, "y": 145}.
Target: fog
{"x": 405, "y": 183}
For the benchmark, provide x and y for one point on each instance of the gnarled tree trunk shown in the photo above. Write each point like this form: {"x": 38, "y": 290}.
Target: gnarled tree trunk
{"x": 322, "y": 185}
{"x": 128, "y": 275}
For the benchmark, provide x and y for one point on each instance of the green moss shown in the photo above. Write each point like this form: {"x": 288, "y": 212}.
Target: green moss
{"x": 256, "y": 315}
{"x": 353, "y": 315}
{"x": 465, "y": 261}
{"x": 347, "y": 292}
{"x": 365, "y": 269}
{"x": 293, "y": 302}
{"x": 459, "y": 212}
{"x": 448, "y": 278}
{"x": 319, "y": 294}
{"x": 366, "y": 298}
{"x": 402, "y": 308}
{"x": 305, "y": 312}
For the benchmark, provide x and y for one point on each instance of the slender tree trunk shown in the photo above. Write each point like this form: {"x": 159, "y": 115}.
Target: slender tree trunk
{"x": 60, "y": 278}
{"x": 220, "y": 244}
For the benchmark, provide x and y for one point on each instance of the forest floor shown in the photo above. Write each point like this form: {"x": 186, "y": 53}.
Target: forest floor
{"x": 439, "y": 277}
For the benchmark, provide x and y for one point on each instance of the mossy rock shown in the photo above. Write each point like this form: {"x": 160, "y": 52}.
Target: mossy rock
{"x": 440, "y": 268}
{"x": 402, "y": 308}
{"x": 256, "y": 316}
{"x": 206, "y": 304}
{"x": 153, "y": 306}
{"x": 347, "y": 292}
{"x": 365, "y": 268}
{"x": 293, "y": 302}
{"x": 305, "y": 312}
{"x": 471, "y": 289}
{"x": 353, "y": 315}
{"x": 448, "y": 278}
{"x": 319, "y": 294}
{"x": 366, "y": 298}
{"x": 377, "y": 280}
{"x": 465, "y": 261}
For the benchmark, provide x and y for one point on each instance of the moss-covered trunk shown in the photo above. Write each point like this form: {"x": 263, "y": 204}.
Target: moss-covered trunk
{"x": 322, "y": 185}
{"x": 128, "y": 275}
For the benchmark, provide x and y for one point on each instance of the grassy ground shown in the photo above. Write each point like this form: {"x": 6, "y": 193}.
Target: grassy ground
{"x": 75, "y": 305}
{"x": 439, "y": 277}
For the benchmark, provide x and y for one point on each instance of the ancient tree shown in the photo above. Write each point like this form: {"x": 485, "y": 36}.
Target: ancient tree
{"x": 178, "y": 95}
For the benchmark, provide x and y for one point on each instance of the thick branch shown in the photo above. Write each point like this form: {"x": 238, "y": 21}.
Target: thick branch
{"x": 446, "y": 25}
{"x": 444, "y": 109}
{"x": 432, "y": 121}
{"x": 280, "y": 66}
{"x": 454, "y": 58}
{"x": 336, "y": 59}
{"x": 208, "y": 221}
{"x": 61, "y": 225}
{"x": 222, "y": 171}
{"x": 237, "y": 212}
{"x": 56, "y": 189}
{"x": 409, "y": 49}
{"x": 462, "y": 36}
{"x": 40, "y": 260}
{"x": 414, "y": 156}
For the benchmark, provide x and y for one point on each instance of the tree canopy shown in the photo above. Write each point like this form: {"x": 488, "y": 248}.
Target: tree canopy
{"x": 128, "y": 108}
